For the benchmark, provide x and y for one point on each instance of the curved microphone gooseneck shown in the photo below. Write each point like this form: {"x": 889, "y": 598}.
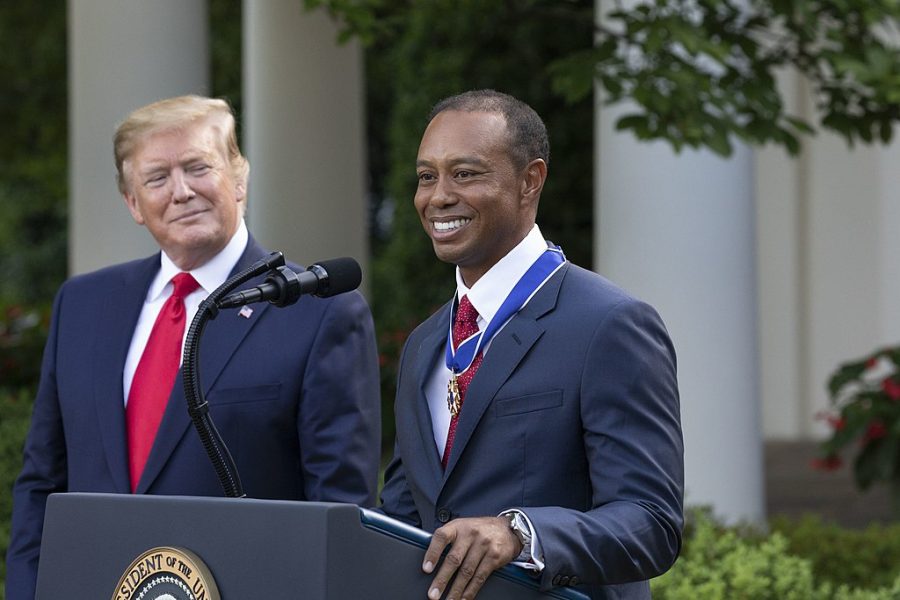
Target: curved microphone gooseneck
{"x": 198, "y": 407}
{"x": 281, "y": 288}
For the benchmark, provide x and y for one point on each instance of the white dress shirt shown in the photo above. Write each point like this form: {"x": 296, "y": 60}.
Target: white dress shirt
{"x": 487, "y": 295}
{"x": 209, "y": 276}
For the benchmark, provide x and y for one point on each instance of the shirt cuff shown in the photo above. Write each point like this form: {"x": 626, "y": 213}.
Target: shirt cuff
{"x": 530, "y": 558}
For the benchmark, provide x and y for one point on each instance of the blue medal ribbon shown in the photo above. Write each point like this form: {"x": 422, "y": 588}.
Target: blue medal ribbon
{"x": 537, "y": 274}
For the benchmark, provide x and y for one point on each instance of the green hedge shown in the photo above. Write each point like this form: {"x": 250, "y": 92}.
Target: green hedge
{"x": 15, "y": 406}
{"x": 861, "y": 558}
{"x": 720, "y": 563}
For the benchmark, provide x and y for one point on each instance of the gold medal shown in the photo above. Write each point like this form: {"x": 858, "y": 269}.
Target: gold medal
{"x": 453, "y": 399}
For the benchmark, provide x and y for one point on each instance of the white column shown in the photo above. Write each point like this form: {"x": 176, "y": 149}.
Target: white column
{"x": 888, "y": 162}
{"x": 304, "y": 133}
{"x": 678, "y": 232}
{"x": 829, "y": 266}
{"x": 782, "y": 250}
{"x": 122, "y": 55}
{"x": 852, "y": 249}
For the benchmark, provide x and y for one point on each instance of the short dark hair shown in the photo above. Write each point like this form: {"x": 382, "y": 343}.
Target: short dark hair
{"x": 527, "y": 132}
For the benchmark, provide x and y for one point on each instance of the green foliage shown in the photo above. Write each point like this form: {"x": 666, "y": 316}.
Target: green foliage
{"x": 868, "y": 558}
{"x": 15, "y": 406}
{"x": 865, "y": 398}
{"x": 33, "y": 185}
{"x": 721, "y": 563}
{"x": 225, "y": 22}
{"x": 702, "y": 72}
{"x": 22, "y": 335}
{"x": 23, "y": 332}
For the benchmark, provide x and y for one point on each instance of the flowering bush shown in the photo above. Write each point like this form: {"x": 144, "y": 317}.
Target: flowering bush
{"x": 865, "y": 398}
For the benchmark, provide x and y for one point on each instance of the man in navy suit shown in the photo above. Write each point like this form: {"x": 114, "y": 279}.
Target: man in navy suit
{"x": 293, "y": 391}
{"x": 563, "y": 452}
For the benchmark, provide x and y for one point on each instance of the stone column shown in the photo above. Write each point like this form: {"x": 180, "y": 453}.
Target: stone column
{"x": 122, "y": 55}
{"x": 678, "y": 232}
{"x": 304, "y": 133}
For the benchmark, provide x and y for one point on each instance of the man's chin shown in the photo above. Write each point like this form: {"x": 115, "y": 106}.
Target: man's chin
{"x": 445, "y": 253}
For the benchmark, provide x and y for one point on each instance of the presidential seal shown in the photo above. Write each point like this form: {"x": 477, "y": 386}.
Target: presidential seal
{"x": 167, "y": 574}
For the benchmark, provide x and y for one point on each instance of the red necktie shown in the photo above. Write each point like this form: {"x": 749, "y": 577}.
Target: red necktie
{"x": 464, "y": 326}
{"x": 155, "y": 376}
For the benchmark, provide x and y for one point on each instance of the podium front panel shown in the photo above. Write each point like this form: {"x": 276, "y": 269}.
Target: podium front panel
{"x": 253, "y": 548}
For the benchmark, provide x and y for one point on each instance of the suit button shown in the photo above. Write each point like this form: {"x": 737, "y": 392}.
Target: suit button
{"x": 556, "y": 579}
{"x": 443, "y": 515}
{"x": 573, "y": 580}
{"x": 564, "y": 580}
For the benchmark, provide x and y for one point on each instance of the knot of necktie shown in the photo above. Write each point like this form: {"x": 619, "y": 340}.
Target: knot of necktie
{"x": 184, "y": 284}
{"x": 465, "y": 325}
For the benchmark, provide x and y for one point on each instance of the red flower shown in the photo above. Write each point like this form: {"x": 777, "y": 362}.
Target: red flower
{"x": 870, "y": 364}
{"x": 836, "y": 421}
{"x": 874, "y": 431}
{"x": 891, "y": 387}
{"x": 829, "y": 463}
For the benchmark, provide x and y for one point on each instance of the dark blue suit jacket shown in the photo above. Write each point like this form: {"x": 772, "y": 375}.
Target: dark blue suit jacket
{"x": 573, "y": 417}
{"x": 294, "y": 392}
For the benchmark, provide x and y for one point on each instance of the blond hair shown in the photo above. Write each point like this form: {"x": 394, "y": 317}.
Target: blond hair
{"x": 175, "y": 113}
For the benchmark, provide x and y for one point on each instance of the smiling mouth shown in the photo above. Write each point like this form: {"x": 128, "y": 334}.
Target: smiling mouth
{"x": 188, "y": 215}
{"x": 448, "y": 226}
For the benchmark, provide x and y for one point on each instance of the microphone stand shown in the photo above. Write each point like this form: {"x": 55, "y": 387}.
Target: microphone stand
{"x": 197, "y": 406}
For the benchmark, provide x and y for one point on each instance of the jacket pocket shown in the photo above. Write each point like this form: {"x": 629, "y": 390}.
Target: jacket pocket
{"x": 505, "y": 407}
{"x": 258, "y": 393}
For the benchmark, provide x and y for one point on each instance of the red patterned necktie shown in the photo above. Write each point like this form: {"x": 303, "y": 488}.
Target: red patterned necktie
{"x": 155, "y": 376}
{"x": 464, "y": 326}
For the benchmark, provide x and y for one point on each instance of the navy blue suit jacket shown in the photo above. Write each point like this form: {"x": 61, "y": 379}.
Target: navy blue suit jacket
{"x": 573, "y": 417}
{"x": 294, "y": 392}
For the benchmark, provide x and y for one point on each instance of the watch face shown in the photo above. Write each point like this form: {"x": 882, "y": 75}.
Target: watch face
{"x": 520, "y": 528}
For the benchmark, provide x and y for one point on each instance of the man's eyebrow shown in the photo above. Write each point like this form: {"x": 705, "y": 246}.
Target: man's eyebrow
{"x": 472, "y": 160}
{"x": 152, "y": 167}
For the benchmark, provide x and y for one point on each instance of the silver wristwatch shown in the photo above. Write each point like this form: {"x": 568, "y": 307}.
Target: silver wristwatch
{"x": 520, "y": 528}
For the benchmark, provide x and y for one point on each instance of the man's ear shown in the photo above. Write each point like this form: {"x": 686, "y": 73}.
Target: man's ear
{"x": 240, "y": 190}
{"x": 533, "y": 177}
{"x": 131, "y": 203}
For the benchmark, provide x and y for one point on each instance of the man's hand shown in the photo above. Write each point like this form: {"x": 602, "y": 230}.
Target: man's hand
{"x": 479, "y": 546}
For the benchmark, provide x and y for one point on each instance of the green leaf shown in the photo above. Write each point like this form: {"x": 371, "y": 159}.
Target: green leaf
{"x": 845, "y": 374}
{"x": 633, "y": 121}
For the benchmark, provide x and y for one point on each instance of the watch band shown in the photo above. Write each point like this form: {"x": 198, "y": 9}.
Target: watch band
{"x": 520, "y": 528}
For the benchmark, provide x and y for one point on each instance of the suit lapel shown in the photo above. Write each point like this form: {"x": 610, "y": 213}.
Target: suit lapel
{"x": 119, "y": 310}
{"x": 506, "y": 351}
{"x": 431, "y": 347}
{"x": 220, "y": 340}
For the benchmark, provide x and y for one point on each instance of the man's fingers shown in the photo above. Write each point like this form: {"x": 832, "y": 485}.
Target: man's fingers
{"x": 439, "y": 541}
{"x": 452, "y": 564}
{"x": 478, "y": 546}
{"x": 470, "y": 577}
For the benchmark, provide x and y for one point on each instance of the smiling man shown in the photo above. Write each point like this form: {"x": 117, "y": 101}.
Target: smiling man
{"x": 537, "y": 412}
{"x": 293, "y": 391}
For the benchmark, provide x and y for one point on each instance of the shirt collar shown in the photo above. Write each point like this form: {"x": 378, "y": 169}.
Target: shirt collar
{"x": 493, "y": 287}
{"x": 210, "y": 275}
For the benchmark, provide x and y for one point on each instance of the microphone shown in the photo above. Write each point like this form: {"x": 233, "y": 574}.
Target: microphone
{"x": 283, "y": 286}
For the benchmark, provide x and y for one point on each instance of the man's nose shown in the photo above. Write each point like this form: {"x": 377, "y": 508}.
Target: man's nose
{"x": 443, "y": 193}
{"x": 182, "y": 190}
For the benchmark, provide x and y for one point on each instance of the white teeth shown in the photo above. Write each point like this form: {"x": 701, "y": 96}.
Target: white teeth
{"x": 450, "y": 225}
